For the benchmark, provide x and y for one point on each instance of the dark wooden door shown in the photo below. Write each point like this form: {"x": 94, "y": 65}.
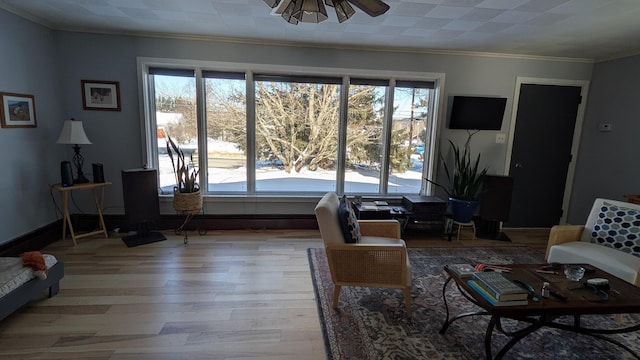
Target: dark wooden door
{"x": 541, "y": 153}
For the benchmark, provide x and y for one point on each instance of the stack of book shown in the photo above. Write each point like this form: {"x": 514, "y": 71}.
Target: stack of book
{"x": 464, "y": 271}
{"x": 497, "y": 289}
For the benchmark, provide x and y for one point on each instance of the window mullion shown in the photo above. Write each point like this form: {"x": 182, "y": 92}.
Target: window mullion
{"x": 386, "y": 131}
{"x": 151, "y": 138}
{"x": 342, "y": 135}
{"x": 429, "y": 163}
{"x": 251, "y": 133}
{"x": 201, "y": 127}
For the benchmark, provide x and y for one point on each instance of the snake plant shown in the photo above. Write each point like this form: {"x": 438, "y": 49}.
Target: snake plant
{"x": 186, "y": 174}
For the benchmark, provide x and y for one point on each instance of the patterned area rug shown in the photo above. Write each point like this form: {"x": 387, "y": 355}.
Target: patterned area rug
{"x": 372, "y": 323}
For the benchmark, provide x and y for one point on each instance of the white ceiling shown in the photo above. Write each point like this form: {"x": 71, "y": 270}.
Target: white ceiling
{"x": 589, "y": 29}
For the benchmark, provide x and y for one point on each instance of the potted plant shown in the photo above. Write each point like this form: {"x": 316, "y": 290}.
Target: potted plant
{"x": 186, "y": 194}
{"x": 465, "y": 181}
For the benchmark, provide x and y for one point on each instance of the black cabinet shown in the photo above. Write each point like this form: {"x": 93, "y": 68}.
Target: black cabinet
{"x": 415, "y": 213}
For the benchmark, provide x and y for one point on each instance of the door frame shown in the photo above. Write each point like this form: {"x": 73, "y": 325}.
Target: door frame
{"x": 577, "y": 131}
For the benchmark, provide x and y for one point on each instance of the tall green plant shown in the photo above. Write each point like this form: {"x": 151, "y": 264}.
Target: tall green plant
{"x": 186, "y": 175}
{"x": 465, "y": 178}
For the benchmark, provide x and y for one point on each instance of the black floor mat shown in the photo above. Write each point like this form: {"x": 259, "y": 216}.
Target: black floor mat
{"x": 493, "y": 236}
{"x": 145, "y": 238}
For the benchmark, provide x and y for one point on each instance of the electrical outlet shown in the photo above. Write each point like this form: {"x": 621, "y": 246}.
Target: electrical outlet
{"x": 501, "y": 138}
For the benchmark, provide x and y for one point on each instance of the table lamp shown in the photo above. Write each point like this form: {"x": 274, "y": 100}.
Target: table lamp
{"x": 73, "y": 133}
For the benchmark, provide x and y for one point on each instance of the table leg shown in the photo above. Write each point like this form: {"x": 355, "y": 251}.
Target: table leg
{"x": 517, "y": 335}
{"x": 448, "y": 321}
{"x": 99, "y": 202}
{"x": 488, "y": 336}
{"x": 446, "y": 306}
{"x": 67, "y": 218}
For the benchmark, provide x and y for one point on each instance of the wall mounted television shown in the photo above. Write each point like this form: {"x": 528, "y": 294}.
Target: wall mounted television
{"x": 477, "y": 112}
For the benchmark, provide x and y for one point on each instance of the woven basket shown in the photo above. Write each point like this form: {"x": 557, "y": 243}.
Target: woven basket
{"x": 187, "y": 202}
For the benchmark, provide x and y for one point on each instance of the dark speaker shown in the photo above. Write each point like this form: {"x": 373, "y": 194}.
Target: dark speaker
{"x": 141, "y": 205}
{"x": 140, "y": 191}
{"x": 495, "y": 203}
{"x": 66, "y": 174}
{"x": 98, "y": 173}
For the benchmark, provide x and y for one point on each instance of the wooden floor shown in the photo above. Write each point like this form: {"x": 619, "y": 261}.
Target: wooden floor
{"x": 225, "y": 295}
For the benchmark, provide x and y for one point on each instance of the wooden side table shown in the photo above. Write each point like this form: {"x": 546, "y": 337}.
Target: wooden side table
{"x": 99, "y": 200}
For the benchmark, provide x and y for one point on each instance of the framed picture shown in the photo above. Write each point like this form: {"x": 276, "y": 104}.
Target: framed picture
{"x": 101, "y": 95}
{"x": 18, "y": 110}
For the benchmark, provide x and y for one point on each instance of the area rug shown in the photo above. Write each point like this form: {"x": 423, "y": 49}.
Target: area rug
{"x": 372, "y": 323}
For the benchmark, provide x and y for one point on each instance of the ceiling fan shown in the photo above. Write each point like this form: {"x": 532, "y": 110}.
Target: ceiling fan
{"x": 314, "y": 11}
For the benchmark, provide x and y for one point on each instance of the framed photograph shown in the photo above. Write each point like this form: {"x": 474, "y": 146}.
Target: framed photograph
{"x": 100, "y": 95}
{"x": 18, "y": 110}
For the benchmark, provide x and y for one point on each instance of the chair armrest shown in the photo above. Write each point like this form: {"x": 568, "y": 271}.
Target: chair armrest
{"x": 561, "y": 234}
{"x": 382, "y": 228}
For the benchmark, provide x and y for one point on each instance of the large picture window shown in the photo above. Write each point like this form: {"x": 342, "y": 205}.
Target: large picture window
{"x": 296, "y": 143}
{"x": 269, "y": 132}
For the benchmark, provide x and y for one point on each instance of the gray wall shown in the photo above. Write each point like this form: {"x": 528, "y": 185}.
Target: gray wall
{"x": 54, "y": 62}
{"x": 30, "y": 157}
{"x": 609, "y": 162}
{"x": 469, "y": 75}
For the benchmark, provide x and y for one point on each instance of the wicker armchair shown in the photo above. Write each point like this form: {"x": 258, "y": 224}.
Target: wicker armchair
{"x": 378, "y": 260}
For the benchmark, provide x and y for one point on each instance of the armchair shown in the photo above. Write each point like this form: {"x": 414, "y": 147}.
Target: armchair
{"x": 379, "y": 259}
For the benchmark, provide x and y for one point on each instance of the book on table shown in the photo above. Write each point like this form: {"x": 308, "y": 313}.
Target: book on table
{"x": 462, "y": 270}
{"x": 491, "y": 299}
{"x": 499, "y": 286}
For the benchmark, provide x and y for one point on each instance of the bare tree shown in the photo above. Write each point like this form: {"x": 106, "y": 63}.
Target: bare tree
{"x": 297, "y": 124}
{"x": 178, "y": 97}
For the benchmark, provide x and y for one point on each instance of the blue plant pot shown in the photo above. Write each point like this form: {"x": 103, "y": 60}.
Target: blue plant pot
{"x": 463, "y": 210}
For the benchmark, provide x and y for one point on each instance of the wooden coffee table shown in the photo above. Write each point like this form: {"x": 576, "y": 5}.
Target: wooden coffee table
{"x": 622, "y": 298}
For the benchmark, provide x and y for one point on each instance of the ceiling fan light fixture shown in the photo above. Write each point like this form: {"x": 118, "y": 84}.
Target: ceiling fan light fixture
{"x": 313, "y": 11}
{"x": 343, "y": 10}
{"x": 294, "y": 7}
{"x": 272, "y": 3}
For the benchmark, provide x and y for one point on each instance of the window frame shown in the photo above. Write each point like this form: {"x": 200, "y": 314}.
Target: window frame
{"x": 148, "y": 122}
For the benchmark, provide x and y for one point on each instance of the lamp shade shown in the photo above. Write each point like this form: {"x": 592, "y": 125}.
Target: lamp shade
{"x": 73, "y": 133}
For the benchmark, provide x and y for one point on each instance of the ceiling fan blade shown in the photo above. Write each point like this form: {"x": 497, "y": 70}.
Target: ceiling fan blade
{"x": 371, "y": 7}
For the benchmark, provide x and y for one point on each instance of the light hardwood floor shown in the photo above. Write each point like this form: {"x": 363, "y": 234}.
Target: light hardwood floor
{"x": 226, "y": 295}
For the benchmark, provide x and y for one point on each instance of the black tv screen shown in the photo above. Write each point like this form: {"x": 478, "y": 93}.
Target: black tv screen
{"x": 478, "y": 113}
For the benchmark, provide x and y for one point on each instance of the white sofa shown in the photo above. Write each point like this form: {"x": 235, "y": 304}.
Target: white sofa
{"x": 609, "y": 240}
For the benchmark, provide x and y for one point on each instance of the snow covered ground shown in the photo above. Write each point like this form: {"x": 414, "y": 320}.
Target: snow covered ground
{"x": 272, "y": 178}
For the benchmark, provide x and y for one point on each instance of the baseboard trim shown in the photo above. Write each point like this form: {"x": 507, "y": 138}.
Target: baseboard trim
{"x": 50, "y": 233}
{"x": 34, "y": 240}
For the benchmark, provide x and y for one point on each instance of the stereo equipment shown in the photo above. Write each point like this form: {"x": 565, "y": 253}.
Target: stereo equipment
{"x": 98, "y": 173}
{"x": 66, "y": 174}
